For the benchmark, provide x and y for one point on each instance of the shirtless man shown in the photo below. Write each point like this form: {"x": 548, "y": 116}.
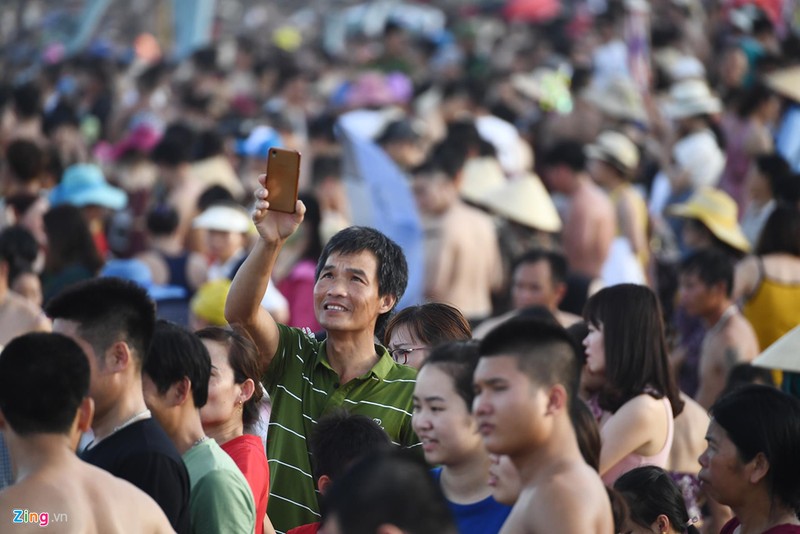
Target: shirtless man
{"x": 525, "y": 382}
{"x": 454, "y": 232}
{"x": 539, "y": 278}
{"x": 590, "y": 220}
{"x": 42, "y": 430}
{"x": 17, "y": 314}
{"x": 706, "y": 284}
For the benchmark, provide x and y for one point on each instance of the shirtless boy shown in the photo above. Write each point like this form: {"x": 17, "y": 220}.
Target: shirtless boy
{"x": 706, "y": 284}
{"x": 44, "y": 407}
{"x": 525, "y": 384}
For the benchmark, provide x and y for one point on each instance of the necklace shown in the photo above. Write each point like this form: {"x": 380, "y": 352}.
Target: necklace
{"x": 723, "y": 320}
{"x": 198, "y": 442}
{"x": 137, "y": 417}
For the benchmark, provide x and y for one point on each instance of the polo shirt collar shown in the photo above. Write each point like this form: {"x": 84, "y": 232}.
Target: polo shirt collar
{"x": 380, "y": 370}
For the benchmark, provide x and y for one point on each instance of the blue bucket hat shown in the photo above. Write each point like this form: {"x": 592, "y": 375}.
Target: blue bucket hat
{"x": 83, "y": 184}
{"x": 138, "y": 272}
{"x": 258, "y": 143}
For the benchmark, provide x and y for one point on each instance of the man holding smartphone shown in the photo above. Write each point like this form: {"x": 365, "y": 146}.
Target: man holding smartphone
{"x": 361, "y": 275}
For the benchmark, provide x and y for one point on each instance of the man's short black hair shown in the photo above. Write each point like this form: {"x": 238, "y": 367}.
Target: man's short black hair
{"x": 392, "y": 487}
{"x": 544, "y": 351}
{"x": 556, "y": 260}
{"x": 27, "y": 100}
{"x": 712, "y": 266}
{"x": 341, "y": 438}
{"x": 108, "y": 310}
{"x": 25, "y": 160}
{"x": 43, "y": 380}
{"x": 446, "y": 158}
{"x": 176, "y": 353}
{"x": 567, "y": 152}
{"x": 392, "y": 266}
{"x": 18, "y": 248}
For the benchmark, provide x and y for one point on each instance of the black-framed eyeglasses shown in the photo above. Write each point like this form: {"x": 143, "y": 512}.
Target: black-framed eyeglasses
{"x": 400, "y": 355}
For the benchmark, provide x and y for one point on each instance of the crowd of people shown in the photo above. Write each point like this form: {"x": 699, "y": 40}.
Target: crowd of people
{"x": 541, "y": 276}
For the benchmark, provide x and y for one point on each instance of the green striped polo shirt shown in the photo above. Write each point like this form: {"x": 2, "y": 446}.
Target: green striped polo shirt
{"x": 303, "y": 387}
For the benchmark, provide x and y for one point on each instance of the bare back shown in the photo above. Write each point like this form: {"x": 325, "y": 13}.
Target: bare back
{"x": 722, "y": 349}
{"x": 567, "y": 498}
{"x": 80, "y": 498}
{"x": 589, "y": 229}
{"x": 689, "y": 441}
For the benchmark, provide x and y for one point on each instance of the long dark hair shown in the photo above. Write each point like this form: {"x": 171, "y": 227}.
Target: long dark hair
{"x": 635, "y": 347}
{"x": 69, "y": 240}
{"x": 781, "y": 232}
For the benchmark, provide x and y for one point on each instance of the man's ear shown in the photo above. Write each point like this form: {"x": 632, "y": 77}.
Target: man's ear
{"x": 387, "y": 303}
{"x": 119, "y": 356}
{"x": 560, "y": 290}
{"x": 85, "y": 414}
{"x": 179, "y": 392}
{"x": 324, "y": 483}
{"x": 556, "y": 399}
{"x": 387, "y": 528}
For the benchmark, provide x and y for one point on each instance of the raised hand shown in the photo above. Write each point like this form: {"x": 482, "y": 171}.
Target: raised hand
{"x": 274, "y": 226}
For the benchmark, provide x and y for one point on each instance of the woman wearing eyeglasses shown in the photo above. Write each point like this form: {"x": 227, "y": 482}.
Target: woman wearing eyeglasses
{"x": 414, "y": 331}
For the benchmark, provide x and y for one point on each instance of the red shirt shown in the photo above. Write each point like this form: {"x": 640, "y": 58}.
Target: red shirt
{"x": 249, "y": 454}
{"x": 311, "y": 528}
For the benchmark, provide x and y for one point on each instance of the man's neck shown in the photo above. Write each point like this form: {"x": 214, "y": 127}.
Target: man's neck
{"x": 127, "y": 407}
{"x": 351, "y": 354}
{"x": 548, "y": 458}
{"x": 190, "y": 431}
{"x": 39, "y": 451}
{"x": 713, "y": 317}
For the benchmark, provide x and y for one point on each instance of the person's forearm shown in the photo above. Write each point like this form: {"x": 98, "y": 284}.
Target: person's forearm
{"x": 250, "y": 283}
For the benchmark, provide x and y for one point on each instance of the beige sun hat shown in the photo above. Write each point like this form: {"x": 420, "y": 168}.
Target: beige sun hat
{"x": 718, "y": 212}
{"x": 525, "y": 201}
{"x": 616, "y": 149}
{"x": 620, "y": 99}
{"x": 784, "y": 354}
{"x": 224, "y": 218}
{"x": 479, "y": 177}
{"x": 785, "y": 82}
{"x": 689, "y": 98}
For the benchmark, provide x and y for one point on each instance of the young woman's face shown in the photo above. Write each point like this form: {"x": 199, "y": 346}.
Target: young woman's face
{"x": 594, "y": 345}
{"x": 442, "y": 420}
{"x": 224, "y": 395}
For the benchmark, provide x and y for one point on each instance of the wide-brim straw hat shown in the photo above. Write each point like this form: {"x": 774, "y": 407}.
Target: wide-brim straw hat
{"x": 690, "y": 98}
{"x": 525, "y": 201}
{"x": 784, "y": 354}
{"x": 619, "y": 99}
{"x": 479, "y": 177}
{"x": 718, "y": 212}
{"x": 785, "y": 82}
{"x": 616, "y": 149}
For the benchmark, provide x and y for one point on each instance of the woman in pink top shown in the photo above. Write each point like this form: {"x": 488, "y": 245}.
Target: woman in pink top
{"x": 234, "y": 392}
{"x": 626, "y": 346}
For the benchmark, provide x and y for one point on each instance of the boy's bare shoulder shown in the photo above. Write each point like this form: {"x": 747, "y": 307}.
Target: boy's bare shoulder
{"x": 570, "y": 500}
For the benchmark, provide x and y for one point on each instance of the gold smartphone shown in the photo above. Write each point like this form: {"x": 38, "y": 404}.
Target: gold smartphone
{"x": 283, "y": 179}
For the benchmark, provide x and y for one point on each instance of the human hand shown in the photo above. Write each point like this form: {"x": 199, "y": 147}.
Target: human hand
{"x": 274, "y": 226}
